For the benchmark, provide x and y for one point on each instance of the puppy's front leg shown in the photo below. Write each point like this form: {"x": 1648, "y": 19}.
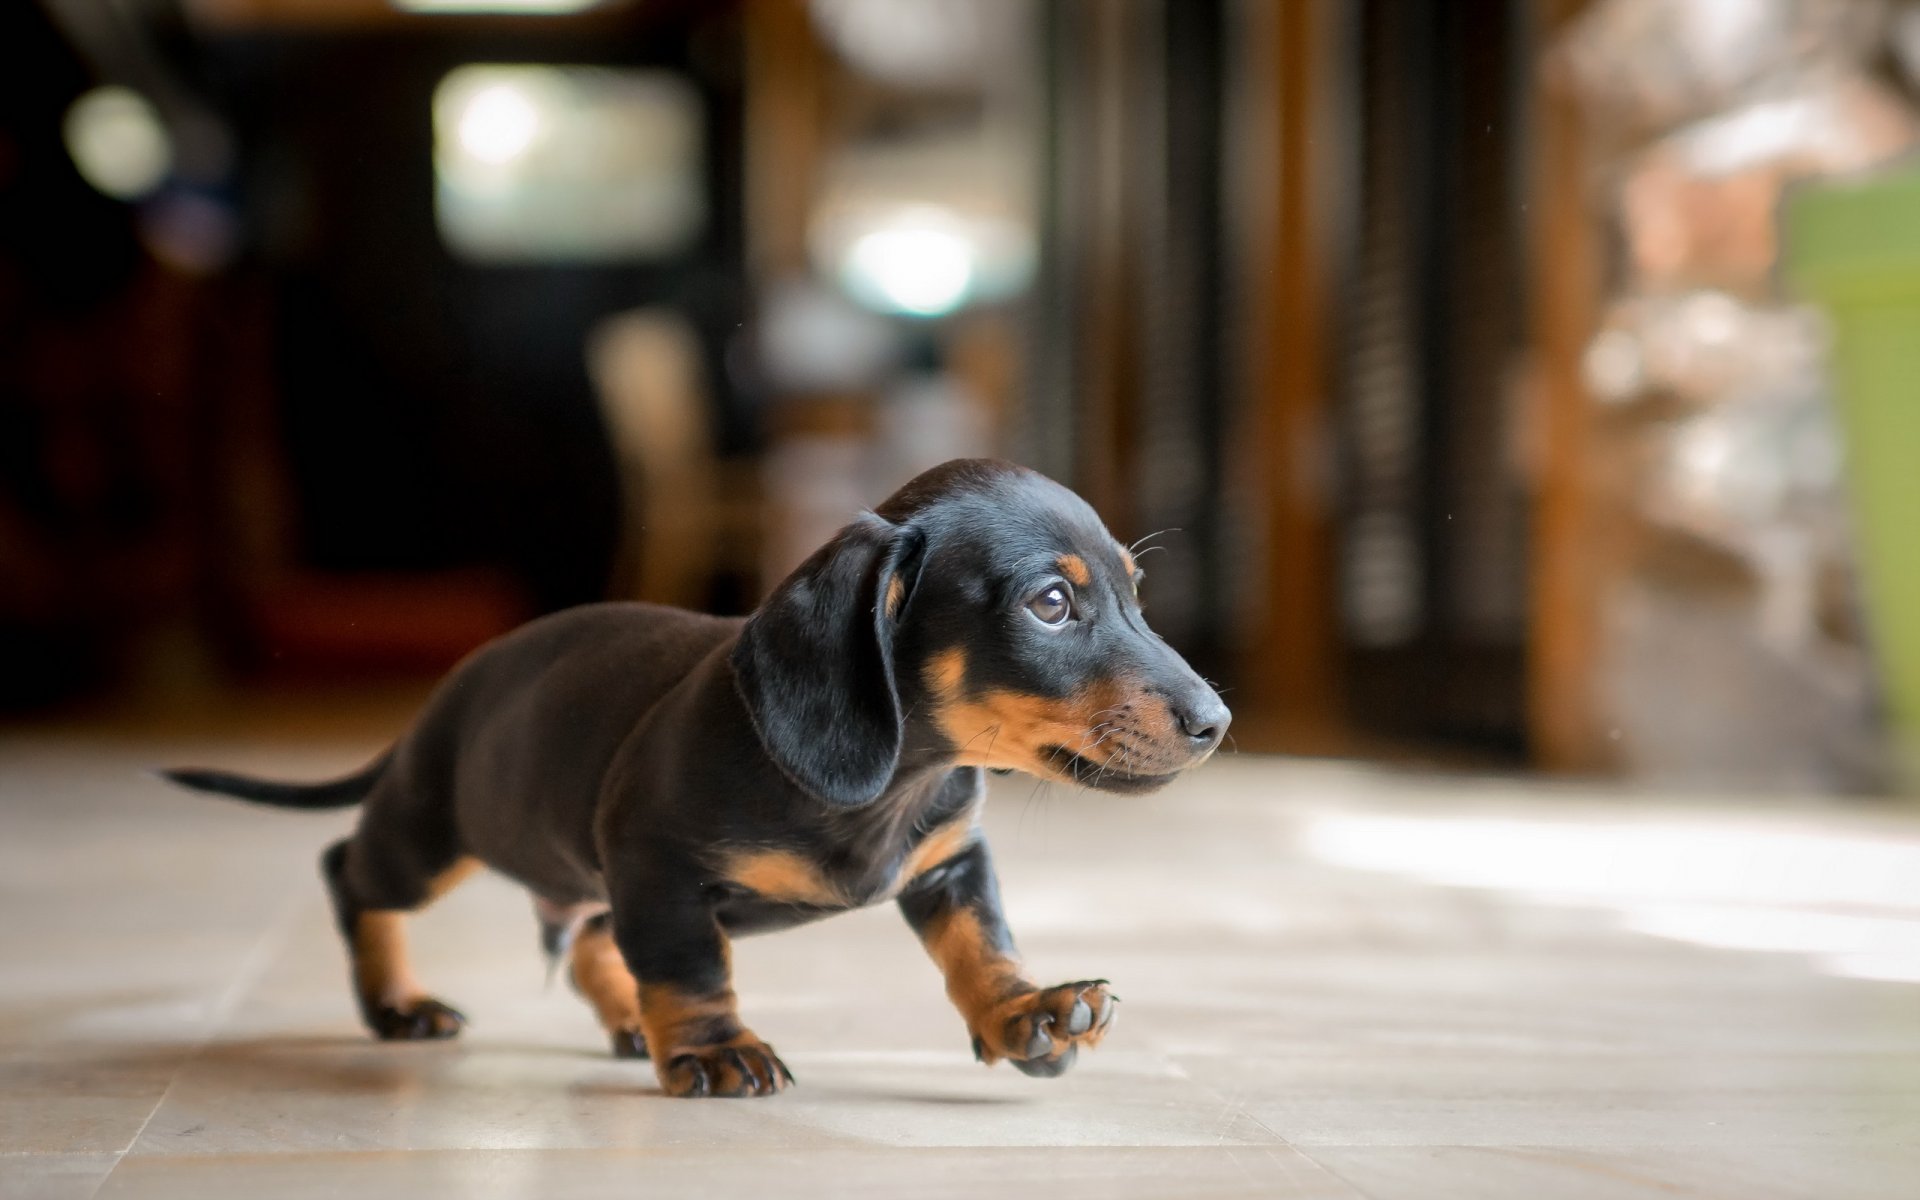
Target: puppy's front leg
{"x": 955, "y": 908}
{"x": 674, "y": 946}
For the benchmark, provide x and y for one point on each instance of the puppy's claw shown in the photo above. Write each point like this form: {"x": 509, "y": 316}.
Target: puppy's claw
{"x": 629, "y": 1043}
{"x": 749, "y": 1083}
{"x": 422, "y": 1020}
{"x": 687, "y": 1077}
{"x": 746, "y": 1068}
{"x": 1042, "y": 1032}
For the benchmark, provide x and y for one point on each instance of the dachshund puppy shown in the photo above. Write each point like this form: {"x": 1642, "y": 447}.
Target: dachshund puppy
{"x": 663, "y": 781}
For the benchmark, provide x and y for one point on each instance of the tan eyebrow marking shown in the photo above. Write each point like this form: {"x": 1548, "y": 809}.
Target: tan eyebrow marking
{"x": 1126, "y": 560}
{"x": 1075, "y": 569}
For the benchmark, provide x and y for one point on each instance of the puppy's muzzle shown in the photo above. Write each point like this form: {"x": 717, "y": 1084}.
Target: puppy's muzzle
{"x": 1201, "y": 719}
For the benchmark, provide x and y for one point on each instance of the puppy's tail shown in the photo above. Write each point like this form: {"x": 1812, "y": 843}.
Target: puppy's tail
{"x": 335, "y": 793}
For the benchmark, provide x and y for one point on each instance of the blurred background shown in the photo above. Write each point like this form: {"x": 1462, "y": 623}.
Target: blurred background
{"x": 1497, "y": 382}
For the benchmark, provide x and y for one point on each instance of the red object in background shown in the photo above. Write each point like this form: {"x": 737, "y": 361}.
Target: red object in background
{"x": 312, "y": 624}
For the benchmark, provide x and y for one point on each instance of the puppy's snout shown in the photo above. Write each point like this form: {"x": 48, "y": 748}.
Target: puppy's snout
{"x": 1203, "y": 719}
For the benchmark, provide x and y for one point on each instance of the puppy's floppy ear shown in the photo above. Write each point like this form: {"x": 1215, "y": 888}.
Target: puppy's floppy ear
{"x": 815, "y": 663}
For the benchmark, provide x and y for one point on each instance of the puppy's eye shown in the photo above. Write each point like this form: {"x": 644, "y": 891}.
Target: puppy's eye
{"x": 1051, "y": 607}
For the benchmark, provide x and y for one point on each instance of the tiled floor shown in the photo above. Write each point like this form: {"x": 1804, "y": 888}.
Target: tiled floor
{"x": 1336, "y": 985}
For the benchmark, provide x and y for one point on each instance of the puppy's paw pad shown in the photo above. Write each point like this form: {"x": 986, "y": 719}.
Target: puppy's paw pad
{"x": 421, "y": 1020}
{"x": 1050, "y": 1066}
{"x": 743, "y": 1067}
{"x": 1041, "y": 1032}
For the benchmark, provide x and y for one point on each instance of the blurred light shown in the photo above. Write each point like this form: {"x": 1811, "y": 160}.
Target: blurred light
{"x": 913, "y": 42}
{"x": 1850, "y": 902}
{"x": 813, "y": 339}
{"x": 118, "y": 143}
{"x": 922, "y": 265}
{"x": 1380, "y": 579}
{"x": 1713, "y": 318}
{"x": 963, "y": 194}
{"x": 1613, "y": 367}
{"x": 498, "y": 124}
{"x": 537, "y": 7}
{"x": 540, "y": 163}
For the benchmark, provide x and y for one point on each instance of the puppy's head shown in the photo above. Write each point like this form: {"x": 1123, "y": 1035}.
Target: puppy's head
{"x": 983, "y": 607}
{"x": 1025, "y": 632}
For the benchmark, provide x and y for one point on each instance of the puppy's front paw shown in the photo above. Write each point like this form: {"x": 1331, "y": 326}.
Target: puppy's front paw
{"x": 1041, "y": 1032}
{"x": 744, "y": 1066}
{"x": 420, "y": 1019}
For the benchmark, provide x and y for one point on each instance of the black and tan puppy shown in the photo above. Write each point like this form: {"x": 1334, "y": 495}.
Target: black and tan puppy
{"x": 663, "y": 781}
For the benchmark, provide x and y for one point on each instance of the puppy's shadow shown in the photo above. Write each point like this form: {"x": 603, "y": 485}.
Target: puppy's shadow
{"x": 933, "y": 1100}
{"x": 351, "y": 1065}
{"x": 827, "y": 1092}
{"x": 340, "y": 1064}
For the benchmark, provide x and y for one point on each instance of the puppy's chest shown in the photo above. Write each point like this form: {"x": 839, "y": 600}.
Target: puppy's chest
{"x": 847, "y": 871}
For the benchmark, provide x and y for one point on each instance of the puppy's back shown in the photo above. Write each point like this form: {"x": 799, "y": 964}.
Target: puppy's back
{"x": 517, "y": 739}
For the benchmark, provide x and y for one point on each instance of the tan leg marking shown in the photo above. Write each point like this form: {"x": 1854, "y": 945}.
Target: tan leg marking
{"x": 700, "y": 1048}
{"x": 980, "y": 978}
{"x": 680, "y": 1022}
{"x": 463, "y": 869}
{"x": 382, "y": 970}
{"x": 601, "y": 975}
{"x": 1040, "y": 1030}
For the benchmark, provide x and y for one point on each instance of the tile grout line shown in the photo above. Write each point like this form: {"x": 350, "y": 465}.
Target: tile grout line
{"x": 1334, "y": 1173}
{"x": 1241, "y": 1111}
{"x": 252, "y": 967}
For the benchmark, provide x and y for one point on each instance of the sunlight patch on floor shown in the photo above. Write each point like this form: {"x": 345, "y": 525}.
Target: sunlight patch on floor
{"x": 1851, "y": 902}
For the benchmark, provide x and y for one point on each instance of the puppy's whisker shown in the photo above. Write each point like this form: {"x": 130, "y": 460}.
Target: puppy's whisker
{"x": 1109, "y": 735}
{"x": 1135, "y": 550}
{"x": 1027, "y": 806}
{"x": 993, "y": 729}
{"x": 1052, "y": 765}
{"x": 1093, "y": 737}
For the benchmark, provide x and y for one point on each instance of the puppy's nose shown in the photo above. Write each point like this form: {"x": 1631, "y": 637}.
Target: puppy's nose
{"x": 1204, "y": 719}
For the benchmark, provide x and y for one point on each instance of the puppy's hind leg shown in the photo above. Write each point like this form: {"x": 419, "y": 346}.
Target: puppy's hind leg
{"x": 374, "y": 887}
{"x": 583, "y": 935}
{"x": 600, "y": 974}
